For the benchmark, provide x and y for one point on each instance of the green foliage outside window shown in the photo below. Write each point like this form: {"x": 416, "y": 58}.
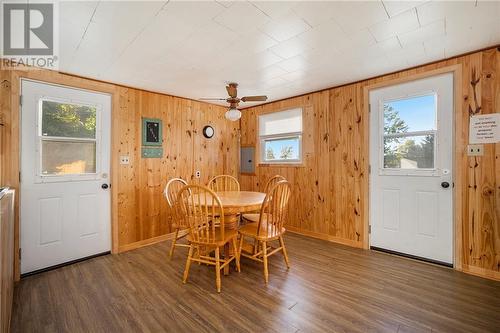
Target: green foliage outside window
{"x": 68, "y": 120}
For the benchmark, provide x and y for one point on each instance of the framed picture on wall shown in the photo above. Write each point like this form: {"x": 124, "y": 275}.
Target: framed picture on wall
{"x": 151, "y": 132}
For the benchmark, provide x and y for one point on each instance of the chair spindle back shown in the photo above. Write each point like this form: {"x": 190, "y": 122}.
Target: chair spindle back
{"x": 224, "y": 183}
{"x": 197, "y": 205}
{"x": 274, "y": 209}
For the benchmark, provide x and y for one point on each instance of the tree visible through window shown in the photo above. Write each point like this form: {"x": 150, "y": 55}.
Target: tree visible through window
{"x": 68, "y": 138}
{"x": 68, "y": 120}
{"x": 409, "y": 133}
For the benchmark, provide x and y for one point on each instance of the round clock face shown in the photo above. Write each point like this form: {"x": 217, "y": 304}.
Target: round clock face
{"x": 208, "y": 132}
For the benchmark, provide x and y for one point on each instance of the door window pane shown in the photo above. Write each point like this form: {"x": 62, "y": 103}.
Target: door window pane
{"x": 410, "y": 115}
{"x": 284, "y": 149}
{"x": 64, "y": 157}
{"x": 409, "y": 152}
{"x": 68, "y": 120}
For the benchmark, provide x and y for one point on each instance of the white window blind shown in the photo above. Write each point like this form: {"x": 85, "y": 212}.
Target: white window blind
{"x": 283, "y": 122}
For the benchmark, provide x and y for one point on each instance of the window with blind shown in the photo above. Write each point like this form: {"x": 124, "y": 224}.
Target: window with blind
{"x": 280, "y": 135}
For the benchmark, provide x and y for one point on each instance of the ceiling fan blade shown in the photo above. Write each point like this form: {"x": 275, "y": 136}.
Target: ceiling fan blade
{"x": 254, "y": 99}
{"x": 231, "y": 90}
{"x": 211, "y": 99}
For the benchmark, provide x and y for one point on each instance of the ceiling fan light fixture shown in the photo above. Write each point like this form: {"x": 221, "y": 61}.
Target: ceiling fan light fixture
{"x": 233, "y": 114}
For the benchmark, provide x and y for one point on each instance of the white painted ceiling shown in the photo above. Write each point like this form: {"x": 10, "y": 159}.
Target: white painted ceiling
{"x": 281, "y": 49}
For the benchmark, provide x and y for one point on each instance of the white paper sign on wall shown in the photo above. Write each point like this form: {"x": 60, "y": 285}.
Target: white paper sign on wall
{"x": 485, "y": 128}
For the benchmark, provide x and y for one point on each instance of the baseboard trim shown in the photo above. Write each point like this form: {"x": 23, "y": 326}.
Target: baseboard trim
{"x": 149, "y": 241}
{"x": 46, "y": 269}
{"x": 329, "y": 238}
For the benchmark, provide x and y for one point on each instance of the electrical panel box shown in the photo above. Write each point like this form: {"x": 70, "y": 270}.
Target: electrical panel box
{"x": 247, "y": 162}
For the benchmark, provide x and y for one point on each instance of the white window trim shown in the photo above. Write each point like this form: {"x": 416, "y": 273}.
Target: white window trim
{"x": 51, "y": 178}
{"x": 404, "y": 171}
{"x": 263, "y": 138}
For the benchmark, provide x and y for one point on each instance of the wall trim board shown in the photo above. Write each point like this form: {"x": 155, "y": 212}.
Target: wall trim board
{"x": 458, "y": 180}
{"x": 328, "y": 238}
{"x": 481, "y": 272}
{"x": 150, "y": 241}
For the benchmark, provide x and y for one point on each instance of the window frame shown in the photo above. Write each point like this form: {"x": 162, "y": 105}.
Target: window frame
{"x": 40, "y": 177}
{"x": 275, "y": 137}
{"x": 407, "y": 171}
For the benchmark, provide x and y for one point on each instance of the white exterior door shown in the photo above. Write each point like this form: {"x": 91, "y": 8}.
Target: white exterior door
{"x": 65, "y": 196}
{"x": 411, "y": 158}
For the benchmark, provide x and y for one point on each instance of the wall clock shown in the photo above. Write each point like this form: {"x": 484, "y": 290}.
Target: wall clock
{"x": 208, "y": 132}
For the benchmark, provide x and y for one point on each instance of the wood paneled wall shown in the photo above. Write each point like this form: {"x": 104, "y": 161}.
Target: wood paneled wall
{"x": 142, "y": 209}
{"x": 139, "y": 212}
{"x": 6, "y": 259}
{"x": 330, "y": 191}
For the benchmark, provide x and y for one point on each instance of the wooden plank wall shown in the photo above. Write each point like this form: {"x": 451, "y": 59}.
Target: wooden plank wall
{"x": 142, "y": 210}
{"x": 6, "y": 259}
{"x": 330, "y": 198}
{"x": 140, "y": 213}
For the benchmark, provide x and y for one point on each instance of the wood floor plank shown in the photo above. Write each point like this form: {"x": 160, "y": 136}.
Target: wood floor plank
{"x": 330, "y": 288}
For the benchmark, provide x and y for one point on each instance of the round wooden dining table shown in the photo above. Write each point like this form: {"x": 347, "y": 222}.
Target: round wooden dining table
{"x": 235, "y": 203}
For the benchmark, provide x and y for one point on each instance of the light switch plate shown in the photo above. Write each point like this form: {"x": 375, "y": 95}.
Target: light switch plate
{"x": 124, "y": 159}
{"x": 475, "y": 150}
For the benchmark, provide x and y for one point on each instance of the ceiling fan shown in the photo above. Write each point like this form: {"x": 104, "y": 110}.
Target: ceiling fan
{"x": 233, "y": 113}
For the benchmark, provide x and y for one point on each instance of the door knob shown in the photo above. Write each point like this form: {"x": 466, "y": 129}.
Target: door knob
{"x": 104, "y": 186}
{"x": 445, "y": 184}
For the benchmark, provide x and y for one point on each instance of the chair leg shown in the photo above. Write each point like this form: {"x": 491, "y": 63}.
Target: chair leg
{"x": 236, "y": 254}
{"x": 285, "y": 255}
{"x": 217, "y": 268}
{"x": 188, "y": 264}
{"x": 266, "y": 272}
{"x": 174, "y": 241}
{"x": 240, "y": 246}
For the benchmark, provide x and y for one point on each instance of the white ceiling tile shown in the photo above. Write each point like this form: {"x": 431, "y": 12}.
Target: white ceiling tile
{"x": 285, "y": 27}
{"x": 253, "y": 41}
{"x": 395, "y": 7}
{"x": 356, "y": 15}
{"x": 315, "y": 12}
{"x": 325, "y": 35}
{"x": 401, "y": 23}
{"x": 192, "y": 48}
{"x": 359, "y": 39}
{"x": 421, "y": 34}
{"x": 274, "y": 82}
{"x": 242, "y": 17}
{"x": 290, "y": 48}
{"x": 274, "y": 9}
{"x": 293, "y": 64}
{"x": 270, "y": 72}
{"x": 438, "y": 10}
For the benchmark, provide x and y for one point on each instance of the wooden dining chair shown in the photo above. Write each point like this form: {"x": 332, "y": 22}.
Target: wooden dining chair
{"x": 254, "y": 217}
{"x": 171, "y": 191}
{"x": 269, "y": 228}
{"x": 197, "y": 205}
{"x": 224, "y": 183}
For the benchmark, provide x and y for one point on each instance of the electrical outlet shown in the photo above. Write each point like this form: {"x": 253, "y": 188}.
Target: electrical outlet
{"x": 197, "y": 174}
{"x": 124, "y": 159}
{"x": 475, "y": 150}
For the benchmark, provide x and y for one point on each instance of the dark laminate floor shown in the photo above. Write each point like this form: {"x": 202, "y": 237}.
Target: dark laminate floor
{"x": 329, "y": 288}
